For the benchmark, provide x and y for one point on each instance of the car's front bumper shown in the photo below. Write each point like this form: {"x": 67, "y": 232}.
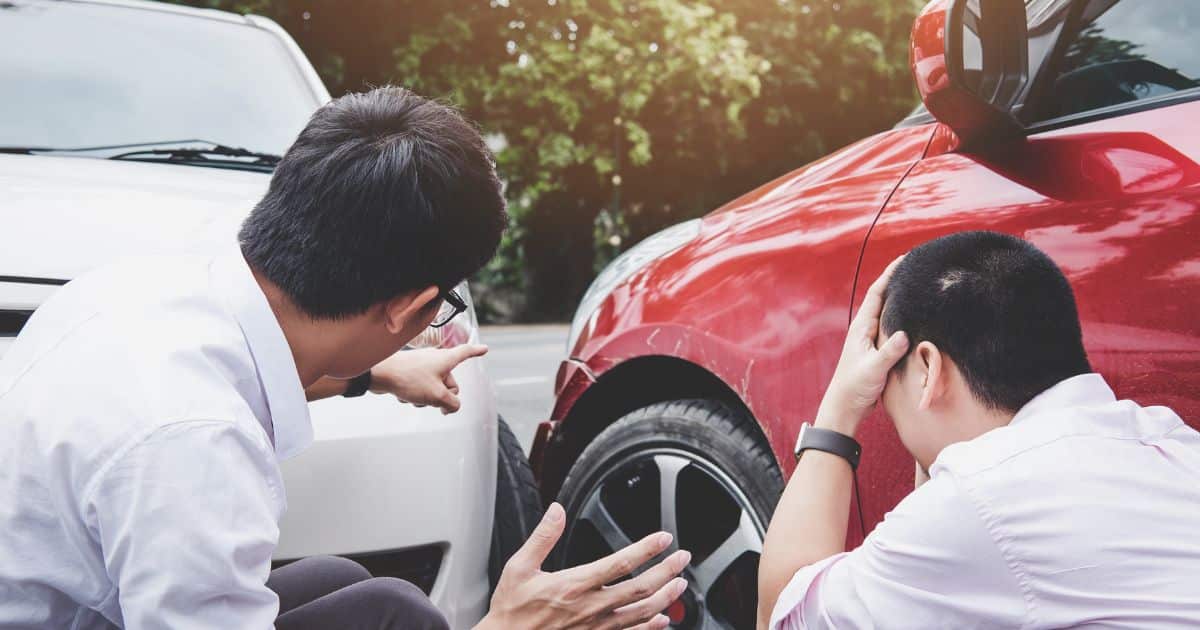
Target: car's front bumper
{"x": 383, "y": 477}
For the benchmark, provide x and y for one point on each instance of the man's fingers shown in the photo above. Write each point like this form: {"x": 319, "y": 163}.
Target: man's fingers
{"x": 646, "y": 609}
{"x": 879, "y": 287}
{"x": 647, "y": 583}
{"x": 892, "y": 350}
{"x": 451, "y": 384}
{"x": 448, "y": 402}
{"x": 872, "y": 302}
{"x": 625, "y": 561}
{"x": 657, "y": 623}
{"x": 532, "y": 554}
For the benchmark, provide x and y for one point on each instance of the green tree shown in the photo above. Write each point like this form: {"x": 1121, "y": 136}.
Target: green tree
{"x": 689, "y": 104}
{"x": 613, "y": 112}
{"x": 615, "y": 118}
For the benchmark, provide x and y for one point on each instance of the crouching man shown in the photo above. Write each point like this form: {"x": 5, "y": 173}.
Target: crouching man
{"x": 145, "y": 407}
{"x": 1049, "y": 503}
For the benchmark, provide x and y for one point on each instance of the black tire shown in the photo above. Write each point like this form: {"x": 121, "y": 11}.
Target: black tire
{"x": 518, "y": 502}
{"x": 725, "y": 487}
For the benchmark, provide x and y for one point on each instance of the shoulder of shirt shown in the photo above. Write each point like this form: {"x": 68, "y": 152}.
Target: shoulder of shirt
{"x": 1057, "y": 429}
{"x": 118, "y": 329}
{"x": 135, "y": 301}
{"x": 127, "y": 292}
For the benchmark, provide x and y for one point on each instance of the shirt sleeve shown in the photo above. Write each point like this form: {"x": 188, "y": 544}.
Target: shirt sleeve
{"x": 188, "y": 520}
{"x": 931, "y": 563}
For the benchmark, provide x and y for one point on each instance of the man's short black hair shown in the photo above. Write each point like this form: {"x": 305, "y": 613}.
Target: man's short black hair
{"x": 996, "y": 305}
{"x": 383, "y": 192}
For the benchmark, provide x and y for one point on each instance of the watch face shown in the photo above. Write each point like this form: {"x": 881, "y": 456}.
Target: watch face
{"x": 800, "y": 439}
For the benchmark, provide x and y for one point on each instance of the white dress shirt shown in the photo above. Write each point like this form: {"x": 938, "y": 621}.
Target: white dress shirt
{"x": 143, "y": 410}
{"x": 1084, "y": 511}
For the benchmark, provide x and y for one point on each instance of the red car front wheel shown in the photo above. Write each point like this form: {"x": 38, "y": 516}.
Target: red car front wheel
{"x": 696, "y": 468}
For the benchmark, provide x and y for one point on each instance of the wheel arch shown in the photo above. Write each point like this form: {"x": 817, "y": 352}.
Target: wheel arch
{"x": 623, "y": 388}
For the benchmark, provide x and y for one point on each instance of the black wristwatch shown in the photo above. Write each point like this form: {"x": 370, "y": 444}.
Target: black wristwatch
{"x": 358, "y": 385}
{"x": 839, "y": 444}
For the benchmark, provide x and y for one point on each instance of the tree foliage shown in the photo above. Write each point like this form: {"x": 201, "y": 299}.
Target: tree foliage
{"x": 615, "y": 118}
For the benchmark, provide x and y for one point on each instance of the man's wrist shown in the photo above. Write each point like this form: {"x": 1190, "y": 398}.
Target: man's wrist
{"x": 383, "y": 383}
{"x": 358, "y": 385}
{"x": 380, "y": 384}
{"x": 836, "y": 419}
{"x": 829, "y": 441}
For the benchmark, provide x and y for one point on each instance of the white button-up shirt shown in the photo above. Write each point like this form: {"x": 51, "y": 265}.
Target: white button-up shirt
{"x": 1084, "y": 511}
{"x": 143, "y": 410}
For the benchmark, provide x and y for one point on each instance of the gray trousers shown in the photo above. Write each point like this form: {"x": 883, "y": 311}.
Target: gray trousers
{"x": 324, "y": 592}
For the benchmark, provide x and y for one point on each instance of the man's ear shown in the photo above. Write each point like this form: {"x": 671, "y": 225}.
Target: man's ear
{"x": 933, "y": 383}
{"x": 400, "y": 310}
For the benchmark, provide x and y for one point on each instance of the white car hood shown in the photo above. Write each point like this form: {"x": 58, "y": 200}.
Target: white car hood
{"x": 60, "y": 216}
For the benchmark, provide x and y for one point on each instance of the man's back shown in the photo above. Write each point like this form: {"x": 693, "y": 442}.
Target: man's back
{"x": 1084, "y": 510}
{"x": 130, "y": 387}
{"x": 1094, "y": 504}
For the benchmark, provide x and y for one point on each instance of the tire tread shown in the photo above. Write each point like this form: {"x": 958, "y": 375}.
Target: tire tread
{"x": 518, "y": 501}
{"x": 725, "y": 420}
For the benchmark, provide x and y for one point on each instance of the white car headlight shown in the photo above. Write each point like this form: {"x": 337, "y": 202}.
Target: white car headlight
{"x": 654, "y": 246}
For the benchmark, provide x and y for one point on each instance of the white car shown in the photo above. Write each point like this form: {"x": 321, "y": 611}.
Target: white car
{"x": 118, "y": 124}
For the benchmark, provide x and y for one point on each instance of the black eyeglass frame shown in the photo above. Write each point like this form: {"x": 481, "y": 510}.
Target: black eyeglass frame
{"x": 456, "y": 302}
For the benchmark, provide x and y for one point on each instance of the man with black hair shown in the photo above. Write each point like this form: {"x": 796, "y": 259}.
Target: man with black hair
{"x": 145, "y": 407}
{"x": 1042, "y": 501}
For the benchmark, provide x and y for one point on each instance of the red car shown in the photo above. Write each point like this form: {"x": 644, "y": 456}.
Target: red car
{"x": 695, "y": 357}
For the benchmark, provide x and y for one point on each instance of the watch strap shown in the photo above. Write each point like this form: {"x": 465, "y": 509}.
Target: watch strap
{"x": 358, "y": 385}
{"x": 829, "y": 441}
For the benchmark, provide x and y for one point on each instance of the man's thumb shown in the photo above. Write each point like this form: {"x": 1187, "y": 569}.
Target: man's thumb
{"x": 893, "y": 349}
{"x": 533, "y": 553}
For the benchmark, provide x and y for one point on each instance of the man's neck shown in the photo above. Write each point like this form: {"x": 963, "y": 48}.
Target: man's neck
{"x": 971, "y": 424}
{"x": 313, "y": 342}
{"x": 990, "y": 418}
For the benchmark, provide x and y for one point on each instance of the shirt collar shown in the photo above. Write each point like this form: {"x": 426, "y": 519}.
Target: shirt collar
{"x": 288, "y": 421}
{"x": 1077, "y": 391}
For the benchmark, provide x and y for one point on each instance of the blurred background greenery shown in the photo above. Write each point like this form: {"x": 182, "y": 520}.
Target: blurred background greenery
{"x": 612, "y": 119}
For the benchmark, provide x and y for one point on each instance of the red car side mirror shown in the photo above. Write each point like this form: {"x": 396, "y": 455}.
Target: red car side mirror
{"x": 968, "y": 58}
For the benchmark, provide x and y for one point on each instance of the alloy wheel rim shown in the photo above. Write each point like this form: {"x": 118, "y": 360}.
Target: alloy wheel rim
{"x": 727, "y": 535}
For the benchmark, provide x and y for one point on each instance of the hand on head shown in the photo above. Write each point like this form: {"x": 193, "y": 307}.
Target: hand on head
{"x": 580, "y": 597}
{"x": 862, "y": 369}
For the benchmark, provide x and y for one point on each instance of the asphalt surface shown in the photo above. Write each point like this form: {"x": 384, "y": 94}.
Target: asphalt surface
{"x": 523, "y": 361}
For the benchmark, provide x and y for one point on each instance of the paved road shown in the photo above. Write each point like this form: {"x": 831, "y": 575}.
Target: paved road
{"x": 523, "y": 361}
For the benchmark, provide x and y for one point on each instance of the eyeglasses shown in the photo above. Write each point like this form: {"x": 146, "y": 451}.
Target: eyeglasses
{"x": 452, "y": 305}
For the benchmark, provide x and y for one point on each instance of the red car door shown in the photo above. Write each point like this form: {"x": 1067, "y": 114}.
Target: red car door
{"x": 1108, "y": 186}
